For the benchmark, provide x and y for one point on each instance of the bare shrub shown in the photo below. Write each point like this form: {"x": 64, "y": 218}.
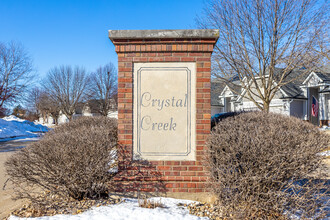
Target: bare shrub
{"x": 265, "y": 165}
{"x": 72, "y": 160}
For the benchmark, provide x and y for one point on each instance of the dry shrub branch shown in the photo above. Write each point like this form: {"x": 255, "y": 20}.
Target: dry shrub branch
{"x": 72, "y": 160}
{"x": 265, "y": 165}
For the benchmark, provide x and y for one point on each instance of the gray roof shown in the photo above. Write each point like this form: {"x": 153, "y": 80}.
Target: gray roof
{"x": 235, "y": 86}
{"x": 216, "y": 88}
{"x": 324, "y": 76}
{"x": 325, "y": 90}
{"x": 292, "y": 89}
{"x": 79, "y": 108}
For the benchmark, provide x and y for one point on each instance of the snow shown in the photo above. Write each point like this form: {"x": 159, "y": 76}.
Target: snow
{"x": 13, "y": 118}
{"x": 26, "y": 139}
{"x": 130, "y": 209}
{"x": 12, "y": 127}
{"x": 324, "y": 127}
{"x": 325, "y": 153}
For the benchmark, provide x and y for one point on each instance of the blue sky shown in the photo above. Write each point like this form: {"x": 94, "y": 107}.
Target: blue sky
{"x": 75, "y": 32}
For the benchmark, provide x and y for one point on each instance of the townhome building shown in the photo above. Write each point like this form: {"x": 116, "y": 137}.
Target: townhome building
{"x": 307, "y": 98}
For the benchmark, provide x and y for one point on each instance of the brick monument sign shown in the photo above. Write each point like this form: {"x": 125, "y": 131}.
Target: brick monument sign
{"x": 164, "y": 98}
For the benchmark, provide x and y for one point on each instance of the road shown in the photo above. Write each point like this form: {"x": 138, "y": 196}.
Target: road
{"x": 13, "y": 145}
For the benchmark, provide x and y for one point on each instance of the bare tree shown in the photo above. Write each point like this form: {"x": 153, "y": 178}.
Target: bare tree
{"x": 66, "y": 86}
{"x": 104, "y": 88}
{"x": 48, "y": 107}
{"x": 16, "y": 72}
{"x": 40, "y": 104}
{"x": 257, "y": 37}
{"x": 33, "y": 100}
{"x": 32, "y": 104}
{"x": 323, "y": 43}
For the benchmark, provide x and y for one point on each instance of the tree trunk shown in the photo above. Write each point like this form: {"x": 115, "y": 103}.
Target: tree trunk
{"x": 266, "y": 106}
{"x": 104, "y": 113}
{"x": 69, "y": 117}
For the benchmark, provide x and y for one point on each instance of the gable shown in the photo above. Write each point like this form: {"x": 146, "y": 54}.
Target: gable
{"x": 227, "y": 92}
{"x": 312, "y": 80}
{"x": 280, "y": 93}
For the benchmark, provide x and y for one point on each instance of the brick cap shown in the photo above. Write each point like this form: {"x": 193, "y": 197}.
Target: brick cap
{"x": 164, "y": 34}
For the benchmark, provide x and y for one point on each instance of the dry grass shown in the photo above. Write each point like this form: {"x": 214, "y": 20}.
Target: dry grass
{"x": 150, "y": 204}
{"x": 327, "y": 149}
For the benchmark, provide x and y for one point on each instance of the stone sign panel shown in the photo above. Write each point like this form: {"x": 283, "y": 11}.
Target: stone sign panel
{"x": 164, "y": 111}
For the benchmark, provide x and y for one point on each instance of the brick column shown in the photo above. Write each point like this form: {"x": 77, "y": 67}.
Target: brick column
{"x": 167, "y": 46}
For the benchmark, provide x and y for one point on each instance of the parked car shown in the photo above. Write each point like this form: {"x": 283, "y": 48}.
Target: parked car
{"x": 220, "y": 116}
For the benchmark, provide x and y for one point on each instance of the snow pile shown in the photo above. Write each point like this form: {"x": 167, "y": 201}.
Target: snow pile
{"x": 325, "y": 128}
{"x": 12, "y": 127}
{"x": 130, "y": 210}
{"x": 13, "y": 118}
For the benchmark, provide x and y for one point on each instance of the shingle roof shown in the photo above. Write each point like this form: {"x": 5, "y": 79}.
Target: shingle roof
{"x": 324, "y": 76}
{"x": 79, "y": 108}
{"x": 325, "y": 90}
{"x": 235, "y": 87}
{"x": 292, "y": 89}
{"x": 216, "y": 88}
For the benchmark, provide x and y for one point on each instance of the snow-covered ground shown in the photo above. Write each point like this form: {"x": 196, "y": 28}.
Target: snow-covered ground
{"x": 12, "y": 127}
{"x": 130, "y": 210}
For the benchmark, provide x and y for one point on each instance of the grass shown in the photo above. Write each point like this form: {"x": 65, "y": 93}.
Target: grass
{"x": 150, "y": 204}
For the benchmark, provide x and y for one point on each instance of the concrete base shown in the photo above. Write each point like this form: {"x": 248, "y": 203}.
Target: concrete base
{"x": 199, "y": 197}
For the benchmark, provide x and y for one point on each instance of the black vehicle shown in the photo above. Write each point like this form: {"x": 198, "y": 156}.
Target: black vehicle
{"x": 220, "y": 116}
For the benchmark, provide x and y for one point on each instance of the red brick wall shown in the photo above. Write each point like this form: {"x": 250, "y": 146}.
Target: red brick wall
{"x": 179, "y": 176}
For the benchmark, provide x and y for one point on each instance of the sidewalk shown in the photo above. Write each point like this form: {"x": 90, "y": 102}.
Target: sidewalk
{"x": 7, "y": 205}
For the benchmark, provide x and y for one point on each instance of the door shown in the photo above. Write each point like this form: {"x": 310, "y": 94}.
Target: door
{"x": 313, "y": 119}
